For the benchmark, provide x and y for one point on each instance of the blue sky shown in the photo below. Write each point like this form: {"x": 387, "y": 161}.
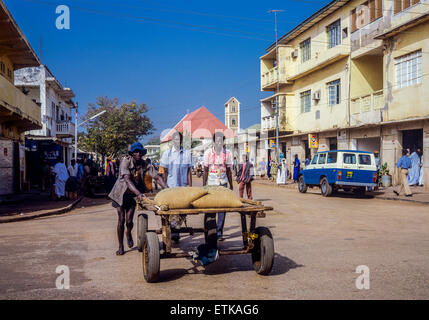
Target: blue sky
{"x": 172, "y": 55}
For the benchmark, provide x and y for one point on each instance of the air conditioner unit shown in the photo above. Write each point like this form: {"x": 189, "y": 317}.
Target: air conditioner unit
{"x": 316, "y": 95}
{"x": 294, "y": 53}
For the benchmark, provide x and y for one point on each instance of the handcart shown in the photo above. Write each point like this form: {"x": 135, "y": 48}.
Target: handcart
{"x": 257, "y": 241}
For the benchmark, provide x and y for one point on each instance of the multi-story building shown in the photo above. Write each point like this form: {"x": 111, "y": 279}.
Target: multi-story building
{"x": 153, "y": 151}
{"x": 232, "y": 114}
{"x": 54, "y": 140}
{"x": 354, "y": 75}
{"x": 18, "y": 111}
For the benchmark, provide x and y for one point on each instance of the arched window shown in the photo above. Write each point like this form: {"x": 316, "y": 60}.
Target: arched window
{"x": 233, "y": 122}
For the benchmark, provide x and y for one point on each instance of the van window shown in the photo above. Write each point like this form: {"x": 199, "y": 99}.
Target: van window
{"x": 314, "y": 161}
{"x": 365, "y": 159}
{"x": 349, "y": 158}
{"x": 332, "y": 157}
{"x": 322, "y": 158}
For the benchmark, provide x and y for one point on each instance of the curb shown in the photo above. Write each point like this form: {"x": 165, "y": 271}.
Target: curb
{"x": 294, "y": 186}
{"x": 43, "y": 214}
{"x": 400, "y": 199}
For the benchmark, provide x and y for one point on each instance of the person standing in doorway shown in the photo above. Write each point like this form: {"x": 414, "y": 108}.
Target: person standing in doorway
{"x": 244, "y": 177}
{"x": 177, "y": 172}
{"x": 414, "y": 171}
{"x": 404, "y": 164}
{"x": 296, "y": 168}
{"x": 217, "y": 172}
{"x": 421, "y": 179}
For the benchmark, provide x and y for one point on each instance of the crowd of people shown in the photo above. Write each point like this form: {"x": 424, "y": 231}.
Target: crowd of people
{"x": 80, "y": 177}
{"x": 411, "y": 171}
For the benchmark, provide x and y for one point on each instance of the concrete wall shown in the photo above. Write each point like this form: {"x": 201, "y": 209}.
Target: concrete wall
{"x": 411, "y": 101}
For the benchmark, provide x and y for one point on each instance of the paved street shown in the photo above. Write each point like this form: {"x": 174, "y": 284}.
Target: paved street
{"x": 319, "y": 242}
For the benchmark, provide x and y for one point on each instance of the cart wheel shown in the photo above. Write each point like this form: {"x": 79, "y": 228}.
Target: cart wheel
{"x": 141, "y": 230}
{"x": 151, "y": 258}
{"x": 263, "y": 251}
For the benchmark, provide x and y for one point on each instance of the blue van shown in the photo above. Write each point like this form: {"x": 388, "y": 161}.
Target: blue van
{"x": 350, "y": 170}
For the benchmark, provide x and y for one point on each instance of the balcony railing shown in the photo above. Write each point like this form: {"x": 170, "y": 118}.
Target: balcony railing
{"x": 270, "y": 78}
{"x": 367, "y": 102}
{"x": 65, "y": 129}
{"x": 268, "y": 123}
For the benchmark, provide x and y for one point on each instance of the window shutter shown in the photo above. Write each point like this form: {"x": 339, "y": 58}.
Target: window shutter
{"x": 353, "y": 17}
{"x": 397, "y": 6}
{"x": 371, "y": 7}
{"x": 413, "y": 2}
{"x": 406, "y": 4}
{"x": 379, "y": 8}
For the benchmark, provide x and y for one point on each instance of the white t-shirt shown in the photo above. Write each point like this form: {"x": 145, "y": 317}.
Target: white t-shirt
{"x": 217, "y": 164}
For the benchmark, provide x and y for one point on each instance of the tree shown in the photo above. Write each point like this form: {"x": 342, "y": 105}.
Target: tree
{"x": 112, "y": 132}
{"x": 154, "y": 141}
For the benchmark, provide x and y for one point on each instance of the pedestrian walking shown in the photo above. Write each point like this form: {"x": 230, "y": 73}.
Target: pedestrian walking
{"x": 269, "y": 168}
{"x": 129, "y": 184}
{"x": 61, "y": 177}
{"x": 245, "y": 176}
{"x": 282, "y": 173}
{"x": 73, "y": 168}
{"x": 404, "y": 163}
{"x": 177, "y": 172}
{"x": 217, "y": 172}
{"x": 110, "y": 175}
{"x": 296, "y": 168}
{"x": 414, "y": 171}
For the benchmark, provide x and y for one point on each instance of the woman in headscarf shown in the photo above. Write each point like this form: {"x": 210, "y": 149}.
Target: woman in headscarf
{"x": 414, "y": 171}
{"x": 296, "y": 168}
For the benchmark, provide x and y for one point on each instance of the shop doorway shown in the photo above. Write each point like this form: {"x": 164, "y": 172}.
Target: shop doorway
{"x": 412, "y": 139}
{"x": 333, "y": 145}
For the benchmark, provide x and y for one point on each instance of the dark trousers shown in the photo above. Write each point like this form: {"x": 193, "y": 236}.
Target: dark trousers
{"x": 248, "y": 186}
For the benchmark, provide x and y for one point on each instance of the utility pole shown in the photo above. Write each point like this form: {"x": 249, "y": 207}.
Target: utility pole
{"x": 77, "y": 125}
{"x": 278, "y": 85}
{"x": 75, "y": 133}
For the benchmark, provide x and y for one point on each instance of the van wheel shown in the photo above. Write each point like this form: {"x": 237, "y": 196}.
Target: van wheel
{"x": 302, "y": 187}
{"x": 325, "y": 187}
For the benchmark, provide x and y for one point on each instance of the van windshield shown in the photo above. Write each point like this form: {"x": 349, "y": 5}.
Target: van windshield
{"x": 322, "y": 158}
{"x": 314, "y": 161}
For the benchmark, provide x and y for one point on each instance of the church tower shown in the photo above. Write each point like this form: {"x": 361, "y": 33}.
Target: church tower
{"x": 232, "y": 114}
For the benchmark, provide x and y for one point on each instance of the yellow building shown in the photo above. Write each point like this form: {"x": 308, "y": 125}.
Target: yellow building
{"x": 18, "y": 112}
{"x": 354, "y": 75}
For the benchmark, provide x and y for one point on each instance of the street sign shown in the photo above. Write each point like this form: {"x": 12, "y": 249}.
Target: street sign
{"x": 272, "y": 143}
{"x": 313, "y": 143}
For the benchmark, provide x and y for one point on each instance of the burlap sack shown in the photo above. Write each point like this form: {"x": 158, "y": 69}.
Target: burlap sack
{"x": 218, "y": 197}
{"x": 180, "y": 197}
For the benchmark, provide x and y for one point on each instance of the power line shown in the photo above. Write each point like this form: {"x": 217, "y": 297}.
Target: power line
{"x": 163, "y": 22}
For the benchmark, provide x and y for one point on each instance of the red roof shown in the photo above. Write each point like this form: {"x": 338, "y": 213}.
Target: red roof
{"x": 202, "y": 124}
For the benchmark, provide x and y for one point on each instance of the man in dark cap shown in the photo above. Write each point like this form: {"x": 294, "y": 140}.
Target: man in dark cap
{"x": 130, "y": 183}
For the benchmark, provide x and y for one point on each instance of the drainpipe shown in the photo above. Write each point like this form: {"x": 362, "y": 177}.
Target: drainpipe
{"x": 349, "y": 99}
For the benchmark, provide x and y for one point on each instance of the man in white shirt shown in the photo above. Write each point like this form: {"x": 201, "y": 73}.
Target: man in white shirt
{"x": 177, "y": 164}
{"x": 217, "y": 172}
{"x": 73, "y": 167}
